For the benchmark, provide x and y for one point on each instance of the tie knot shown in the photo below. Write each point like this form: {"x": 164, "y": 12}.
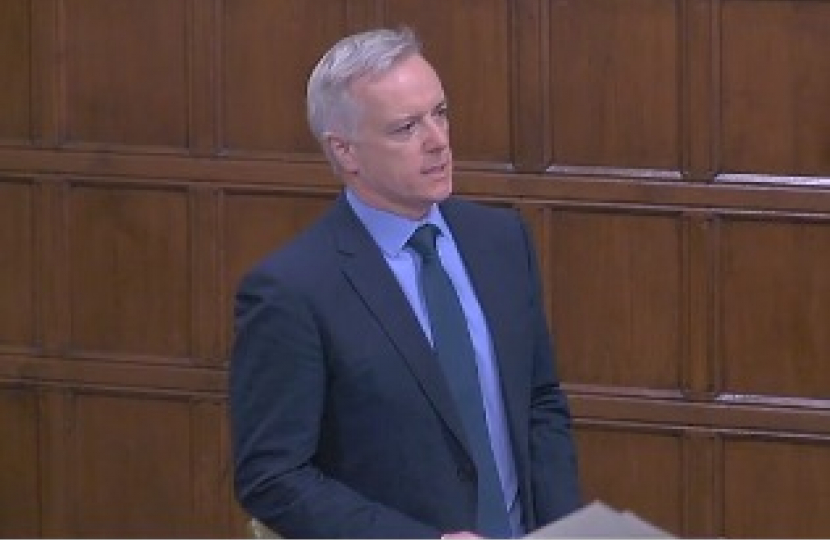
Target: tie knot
{"x": 423, "y": 241}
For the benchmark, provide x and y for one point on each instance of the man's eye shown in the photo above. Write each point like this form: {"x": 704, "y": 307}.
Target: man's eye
{"x": 405, "y": 129}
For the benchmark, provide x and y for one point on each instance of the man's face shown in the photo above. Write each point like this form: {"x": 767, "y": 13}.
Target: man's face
{"x": 398, "y": 158}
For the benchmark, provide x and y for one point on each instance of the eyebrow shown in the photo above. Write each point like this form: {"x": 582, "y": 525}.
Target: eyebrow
{"x": 417, "y": 116}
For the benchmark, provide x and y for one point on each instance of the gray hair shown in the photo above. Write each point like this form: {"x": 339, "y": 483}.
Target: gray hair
{"x": 330, "y": 104}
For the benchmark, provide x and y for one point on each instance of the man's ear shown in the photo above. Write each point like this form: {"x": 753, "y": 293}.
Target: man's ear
{"x": 343, "y": 152}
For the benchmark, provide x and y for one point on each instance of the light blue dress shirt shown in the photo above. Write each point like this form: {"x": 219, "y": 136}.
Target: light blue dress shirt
{"x": 391, "y": 233}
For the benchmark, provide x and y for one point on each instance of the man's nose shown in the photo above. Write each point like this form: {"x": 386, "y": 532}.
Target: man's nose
{"x": 436, "y": 134}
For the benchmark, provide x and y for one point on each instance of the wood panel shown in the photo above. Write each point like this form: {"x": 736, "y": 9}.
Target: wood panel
{"x": 614, "y": 83}
{"x": 615, "y": 283}
{"x": 129, "y": 266}
{"x": 15, "y": 65}
{"x": 776, "y": 487}
{"x": 148, "y": 491}
{"x": 470, "y": 41}
{"x": 775, "y": 305}
{"x": 633, "y": 468}
{"x": 264, "y": 71}
{"x": 700, "y": 84}
{"x": 776, "y": 83}
{"x": 17, "y": 264}
{"x": 126, "y": 73}
{"x": 20, "y": 474}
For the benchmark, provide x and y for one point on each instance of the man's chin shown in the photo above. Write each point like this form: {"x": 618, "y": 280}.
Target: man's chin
{"x": 443, "y": 193}
{"x": 443, "y": 186}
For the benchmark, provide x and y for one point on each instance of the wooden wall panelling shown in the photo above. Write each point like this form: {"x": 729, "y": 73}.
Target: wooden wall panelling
{"x": 205, "y": 332}
{"x": 775, "y": 486}
{"x": 126, "y": 74}
{"x": 203, "y": 53}
{"x": 469, "y": 43}
{"x": 776, "y": 83}
{"x": 727, "y": 412}
{"x": 47, "y": 96}
{"x": 130, "y": 270}
{"x": 150, "y": 489}
{"x": 698, "y": 268}
{"x": 56, "y": 459}
{"x": 530, "y": 78}
{"x": 167, "y": 479}
{"x": 268, "y": 51}
{"x": 701, "y": 484}
{"x": 210, "y": 463}
{"x": 614, "y": 69}
{"x": 774, "y": 305}
{"x": 634, "y": 467}
{"x": 233, "y": 514}
{"x": 53, "y": 271}
{"x": 700, "y": 83}
{"x": 616, "y": 280}
{"x": 20, "y": 509}
{"x": 16, "y": 67}
{"x": 18, "y": 256}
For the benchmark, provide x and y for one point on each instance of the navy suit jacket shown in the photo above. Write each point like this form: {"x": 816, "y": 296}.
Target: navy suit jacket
{"x": 342, "y": 422}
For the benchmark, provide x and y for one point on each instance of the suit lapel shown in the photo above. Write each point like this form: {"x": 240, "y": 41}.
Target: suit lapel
{"x": 367, "y": 271}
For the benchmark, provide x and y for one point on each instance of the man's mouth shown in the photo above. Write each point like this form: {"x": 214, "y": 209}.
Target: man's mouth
{"x": 435, "y": 169}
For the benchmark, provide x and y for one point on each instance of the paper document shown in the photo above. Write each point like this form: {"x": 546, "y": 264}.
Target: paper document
{"x": 598, "y": 520}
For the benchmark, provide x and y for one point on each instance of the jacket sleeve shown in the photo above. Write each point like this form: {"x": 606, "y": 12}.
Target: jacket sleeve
{"x": 554, "y": 471}
{"x": 277, "y": 385}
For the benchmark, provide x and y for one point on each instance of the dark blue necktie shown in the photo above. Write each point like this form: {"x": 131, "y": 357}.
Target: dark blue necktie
{"x": 454, "y": 349}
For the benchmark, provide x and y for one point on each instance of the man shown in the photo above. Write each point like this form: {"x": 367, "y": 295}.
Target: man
{"x": 346, "y": 418}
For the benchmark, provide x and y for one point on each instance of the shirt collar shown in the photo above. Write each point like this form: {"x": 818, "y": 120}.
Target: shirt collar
{"x": 389, "y": 230}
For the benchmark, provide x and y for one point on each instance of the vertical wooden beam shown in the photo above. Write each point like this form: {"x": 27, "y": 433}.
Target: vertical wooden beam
{"x": 701, "y": 89}
{"x": 206, "y": 346}
{"x": 700, "y": 483}
{"x": 55, "y": 459}
{"x": 698, "y": 381}
{"x": 54, "y": 291}
{"x": 48, "y": 63}
{"x": 209, "y": 518}
{"x": 715, "y": 311}
{"x": 530, "y": 94}
{"x": 203, "y": 50}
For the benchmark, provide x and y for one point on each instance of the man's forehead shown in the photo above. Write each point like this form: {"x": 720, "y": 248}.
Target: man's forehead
{"x": 402, "y": 87}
